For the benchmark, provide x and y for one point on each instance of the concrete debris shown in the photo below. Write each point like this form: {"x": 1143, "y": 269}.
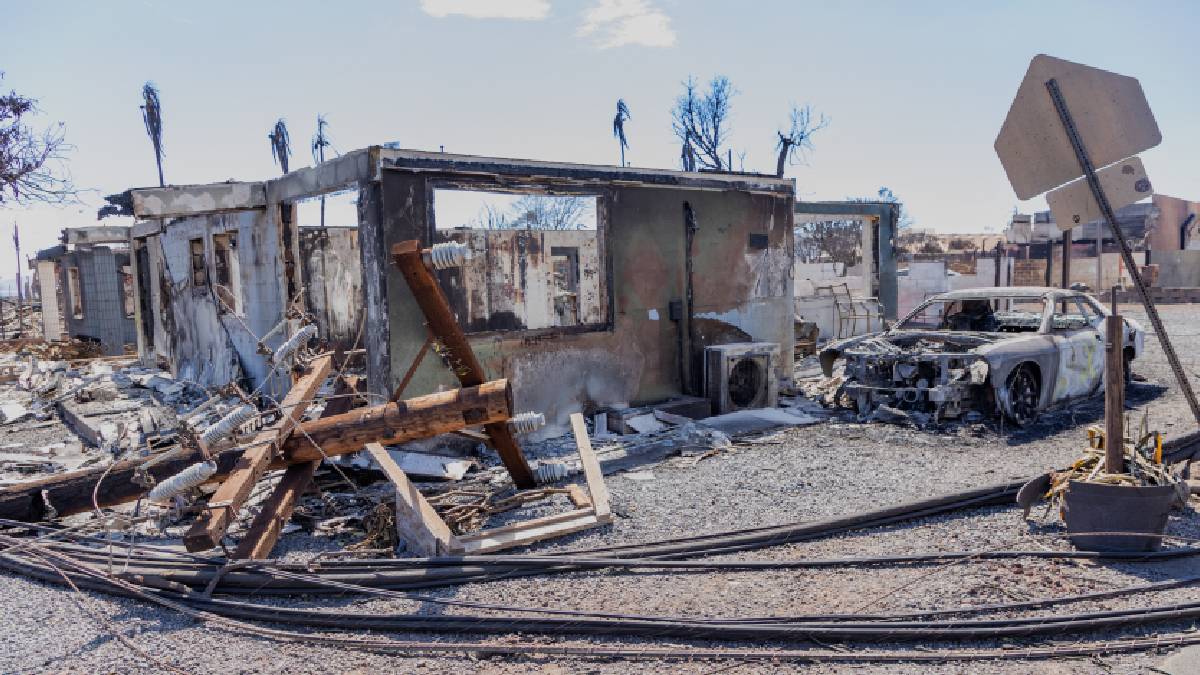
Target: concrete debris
{"x": 645, "y": 424}
{"x": 422, "y": 465}
{"x": 13, "y": 412}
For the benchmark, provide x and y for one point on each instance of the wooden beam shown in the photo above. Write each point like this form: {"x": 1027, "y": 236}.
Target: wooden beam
{"x": 264, "y": 532}
{"x": 597, "y": 488}
{"x": 443, "y": 326}
{"x": 527, "y": 532}
{"x": 417, "y": 522}
{"x": 421, "y": 417}
{"x": 412, "y": 369}
{"x": 224, "y": 504}
{"x": 417, "y": 418}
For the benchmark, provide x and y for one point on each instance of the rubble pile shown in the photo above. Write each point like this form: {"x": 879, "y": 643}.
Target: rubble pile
{"x": 116, "y": 410}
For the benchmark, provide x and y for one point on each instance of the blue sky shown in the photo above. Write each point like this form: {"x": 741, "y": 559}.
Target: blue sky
{"x": 916, "y": 91}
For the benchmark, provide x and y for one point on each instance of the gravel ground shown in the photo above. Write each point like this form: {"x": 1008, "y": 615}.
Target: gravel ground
{"x": 836, "y": 468}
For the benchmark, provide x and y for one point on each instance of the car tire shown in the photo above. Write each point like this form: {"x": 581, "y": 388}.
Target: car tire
{"x": 1024, "y": 396}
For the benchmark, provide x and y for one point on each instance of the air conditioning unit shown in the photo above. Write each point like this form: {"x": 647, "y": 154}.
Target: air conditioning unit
{"x": 741, "y": 376}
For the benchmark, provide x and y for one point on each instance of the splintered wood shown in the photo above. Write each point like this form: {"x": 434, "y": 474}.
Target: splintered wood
{"x": 426, "y": 534}
{"x": 211, "y": 525}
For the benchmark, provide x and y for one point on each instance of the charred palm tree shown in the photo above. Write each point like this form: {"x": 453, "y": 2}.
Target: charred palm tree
{"x": 619, "y": 121}
{"x": 281, "y": 146}
{"x": 152, "y": 116}
{"x": 319, "y": 143}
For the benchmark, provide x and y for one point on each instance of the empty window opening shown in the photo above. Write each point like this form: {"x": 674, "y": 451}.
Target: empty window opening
{"x": 227, "y": 285}
{"x": 74, "y": 291}
{"x": 199, "y": 267}
{"x": 537, "y": 261}
{"x": 142, "y": 258}
{"x": 127, "y": 301}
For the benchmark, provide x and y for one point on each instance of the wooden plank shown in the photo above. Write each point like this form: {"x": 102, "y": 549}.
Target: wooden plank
{"x": 264, "y": 532}
{"x": 211, "y": 525}
{"x": 497, "y": 541}
{"x": 443, "y": 326}
{"x": 526, "y": 524}
{"x": 579, "y": 498}
{"x": 417, "y": 522}
{"x": 597, "y": 488}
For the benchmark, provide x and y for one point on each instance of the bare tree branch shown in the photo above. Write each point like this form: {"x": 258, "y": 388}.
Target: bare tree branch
{"x": 536, "y": 212}
{"x": 32, "y": 163}
{"x": 701, "y": 122}
{"x": 793, "y": 145}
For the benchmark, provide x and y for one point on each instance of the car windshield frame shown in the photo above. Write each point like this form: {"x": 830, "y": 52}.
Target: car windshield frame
{"x": 992, "y": 299}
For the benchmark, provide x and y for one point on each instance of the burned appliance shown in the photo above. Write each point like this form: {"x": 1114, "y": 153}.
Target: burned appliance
{"x": 740, "y": 376}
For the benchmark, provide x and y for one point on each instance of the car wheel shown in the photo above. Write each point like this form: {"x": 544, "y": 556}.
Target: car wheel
{"x": 1024, "y": 394}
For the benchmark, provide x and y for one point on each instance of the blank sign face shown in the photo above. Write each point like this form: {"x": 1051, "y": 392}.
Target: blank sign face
{"x": 1123, "y": 183}
{"x": 1110, "y": 112}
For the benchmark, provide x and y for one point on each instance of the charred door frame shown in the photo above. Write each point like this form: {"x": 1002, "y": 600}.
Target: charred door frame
{"x": 884, "y": 217}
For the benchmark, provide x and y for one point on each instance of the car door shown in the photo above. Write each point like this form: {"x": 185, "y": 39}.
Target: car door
{"x": 1080, "y": 346}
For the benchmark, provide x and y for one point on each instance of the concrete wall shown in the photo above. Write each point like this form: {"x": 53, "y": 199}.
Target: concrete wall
{"x": 101, "y": 290}
{"x": 333, "y": 293}
{"x": 1172, "y": 213}
{"x": 741, "y": 284}
{"x": 52, "y": 326}
{"x": 516, "y": 284}
{"x": 1177, "y": 269}
{"x": 197, "y": 341}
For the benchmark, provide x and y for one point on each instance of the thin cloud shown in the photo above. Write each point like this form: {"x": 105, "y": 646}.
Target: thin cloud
{"x": 526, "y": 10}
{"x": 616, "y": 23}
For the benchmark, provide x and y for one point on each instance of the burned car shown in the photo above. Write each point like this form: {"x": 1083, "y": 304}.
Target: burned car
{"x": 1018, "y": 351}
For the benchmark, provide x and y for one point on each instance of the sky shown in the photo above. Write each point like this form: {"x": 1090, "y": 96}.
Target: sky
{"x": 915, "y": 91}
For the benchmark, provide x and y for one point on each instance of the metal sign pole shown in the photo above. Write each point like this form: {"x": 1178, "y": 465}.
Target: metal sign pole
{"x": 1089, "y": 171}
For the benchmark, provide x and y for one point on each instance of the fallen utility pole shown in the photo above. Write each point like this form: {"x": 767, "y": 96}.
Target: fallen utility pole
{"x": 229, "y": 498}
{"x": 277, "y": 510}
{"x": 416, "y": 418}
{"x": 411, "y": 260}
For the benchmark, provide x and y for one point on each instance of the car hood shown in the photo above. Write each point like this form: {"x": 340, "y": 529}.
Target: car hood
{"x": 897, "y": 341}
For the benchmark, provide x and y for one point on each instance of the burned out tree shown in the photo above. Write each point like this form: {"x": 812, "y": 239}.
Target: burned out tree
{"x": 32, "y": 165}
{"x": 838, "y": 241}
{"x": 535, "y": 212}
{"x": 545, "y": 212}
{"x": 700, "y": 121}
{"x": 619, "y": 121}
{"x": 319, "y": 143}
{"x": 281, "y": 146}
{"x": 793, "y": 145}
{"x": 152, "y": 117}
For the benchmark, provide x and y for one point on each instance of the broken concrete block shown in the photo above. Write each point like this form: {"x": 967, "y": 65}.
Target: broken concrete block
{"x": 13, "y": 412}
{"x": 645, "y": 424}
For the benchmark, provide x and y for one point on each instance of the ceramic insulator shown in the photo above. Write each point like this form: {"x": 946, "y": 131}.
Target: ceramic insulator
{"x": 549, "y": 472}
{"x": 183, "y": 481}
{"x": 527, "y": 422}
{"x": 228, "y": 424}
{"x": 285, "y": 350}
{"x": 449, "y": 254}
